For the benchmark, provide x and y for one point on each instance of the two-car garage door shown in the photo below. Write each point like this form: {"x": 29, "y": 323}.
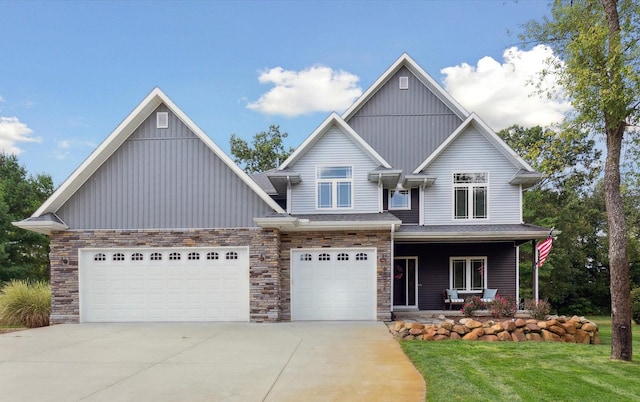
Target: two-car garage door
{"x": 333, "y": 284}
{"x": 172, "y": 284}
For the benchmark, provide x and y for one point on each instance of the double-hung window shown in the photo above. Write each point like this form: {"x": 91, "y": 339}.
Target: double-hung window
{"x": 399, "y": 199}
{"x": 470, "y": 195}
{"x": 334, "y": 187}
{"x": 468, "y": 273}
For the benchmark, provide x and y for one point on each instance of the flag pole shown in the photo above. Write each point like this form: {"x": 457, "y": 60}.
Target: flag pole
{"x": 535, "y": 272}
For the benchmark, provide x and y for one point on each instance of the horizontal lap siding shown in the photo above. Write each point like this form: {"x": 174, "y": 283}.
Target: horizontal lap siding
{"x": 472, "y": 152}
{"x": 433, "y": 267}
{"x": 163, "y": 178}
{"x": 334, "y": 148}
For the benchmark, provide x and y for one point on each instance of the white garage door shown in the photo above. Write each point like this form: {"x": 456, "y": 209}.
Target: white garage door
{"x": 193, "y": 284}
{"x": 333, "y": 284}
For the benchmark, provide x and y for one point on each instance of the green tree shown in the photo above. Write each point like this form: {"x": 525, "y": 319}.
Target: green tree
{"x": 570, "y": 162}
{"x": 23, "y": 254}
{"x": 266, "y": 152}
{"x": 599, "y": 68}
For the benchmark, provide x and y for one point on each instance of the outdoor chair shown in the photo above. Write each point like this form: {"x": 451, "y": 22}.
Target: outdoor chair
{"x": 450, "y": 297}
{"x": 489, "y": 295}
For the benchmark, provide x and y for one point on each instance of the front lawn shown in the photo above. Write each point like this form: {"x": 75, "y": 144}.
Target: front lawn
{"x": 528, "y": 371}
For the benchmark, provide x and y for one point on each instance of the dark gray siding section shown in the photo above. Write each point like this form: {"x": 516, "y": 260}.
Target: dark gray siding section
{"x": 433, "y": 267}
{"x": 163, "y": 178}
{"x": 411, "y": 216}
{"x": 404, "y": 126}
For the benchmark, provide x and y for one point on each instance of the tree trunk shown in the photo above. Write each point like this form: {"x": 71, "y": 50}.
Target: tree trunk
{"x": 621, "y": 348}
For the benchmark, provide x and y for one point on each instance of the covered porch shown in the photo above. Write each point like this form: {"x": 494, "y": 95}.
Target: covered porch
{"x": 468, "y": 258}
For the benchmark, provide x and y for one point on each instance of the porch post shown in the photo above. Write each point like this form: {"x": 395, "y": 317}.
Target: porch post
{"x": 534, "y": 256}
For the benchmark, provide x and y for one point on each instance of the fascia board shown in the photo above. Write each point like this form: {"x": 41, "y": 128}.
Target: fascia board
{"x": 321, "y": 130}
{"x": 422, "y": 75}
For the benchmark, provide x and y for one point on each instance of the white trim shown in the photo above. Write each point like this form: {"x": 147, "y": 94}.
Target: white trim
{"x": 518, "y": 276}
{"x": 406, "y": 258}
{"x": 421, "y": 206}
{"x": 520, "y": 203}
{"x": 324, "y": 127}
{"x": 113, "y": 142}
{"x": 334, "y": 187}
{"x": 389, "y": 198}
{"x": 469, "y": 187}
{"x": 477, "y": 236}
{"x": 162, "y": 119}
{"x": 42, "y": 227}
{"x": 488, "y": 133}
{"x": 468, "y": 274}
{"x": 406, "y": 61}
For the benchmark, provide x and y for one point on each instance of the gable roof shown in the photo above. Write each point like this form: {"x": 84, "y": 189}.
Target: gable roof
{"x": 330, "y": 121}
{"x": 118, "y": 137}
{"x": 488, "y": 133}
{"x": 406, "y": 61}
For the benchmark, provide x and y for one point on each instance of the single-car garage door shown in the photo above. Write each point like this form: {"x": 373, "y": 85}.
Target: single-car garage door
{"x": 168, "y": 284}
{"x": 333, "y": 284}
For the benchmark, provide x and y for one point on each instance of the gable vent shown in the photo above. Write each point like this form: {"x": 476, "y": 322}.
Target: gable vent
{"x": 404, "y": 82}
{"x": 162, "y": 120}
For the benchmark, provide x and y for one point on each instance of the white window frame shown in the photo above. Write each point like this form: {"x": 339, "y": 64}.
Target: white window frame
{"x": 470, "y": 199}
{"x": 468, "y": 276}
{"x": 390, "y": 197}
{"x": 334, "y": 187}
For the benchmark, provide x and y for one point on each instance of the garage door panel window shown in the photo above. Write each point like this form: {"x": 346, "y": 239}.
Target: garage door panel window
{"x": 361, "y": 257}
{"x": 343, "y": 257}
{"x": 118, "y": 257}
{"x": 305, "y": 257}
{"x": 212, "y": 256}
{"x": 100, "y": 257}
{"x": 232, "y": 255}
{"x": 174, "y": 256}
{"x": 324, "y": 257}
{"x": 137, "y": 257}
{"x": 155, "y": 257}
{"x": 193, "y": 256}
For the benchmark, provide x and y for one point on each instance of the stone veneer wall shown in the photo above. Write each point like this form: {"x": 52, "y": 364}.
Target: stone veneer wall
{"x": 379, "y": 239}
{"x": 264, "y": 283}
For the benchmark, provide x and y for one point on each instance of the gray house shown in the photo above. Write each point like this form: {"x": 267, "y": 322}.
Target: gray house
{"x": 380, "y": 209}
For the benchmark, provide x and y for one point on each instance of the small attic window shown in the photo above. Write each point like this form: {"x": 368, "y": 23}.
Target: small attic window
{"x": 162, "y": 119}
{"x": 404, "y": 83}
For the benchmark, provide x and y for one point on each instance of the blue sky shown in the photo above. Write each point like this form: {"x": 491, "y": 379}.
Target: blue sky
{"x": 70, "y": 72}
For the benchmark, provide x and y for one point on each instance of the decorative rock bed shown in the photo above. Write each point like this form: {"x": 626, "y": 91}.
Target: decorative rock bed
{"x": 554, "y": 329}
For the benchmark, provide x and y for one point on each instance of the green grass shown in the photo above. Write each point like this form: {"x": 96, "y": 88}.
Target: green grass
{"x": 529, "y": 371}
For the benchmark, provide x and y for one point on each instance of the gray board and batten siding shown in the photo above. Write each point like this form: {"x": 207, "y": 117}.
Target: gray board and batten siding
{"x": 404, "y": 125}
{"x": 334, "y": 148}
{"x": 433, "y": 267}
{"x": 407, "y": 216}
{"x": 472, "y": 152}
{"x": 163, "y": 179}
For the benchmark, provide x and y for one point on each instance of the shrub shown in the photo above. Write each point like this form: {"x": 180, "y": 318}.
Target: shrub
{"x": 471, "y": 304}
{"x": 539, "y": 310}
{"x": 24, "y": 303}
{"x": 503, "y": 307}
{"x": 635, "y": 305}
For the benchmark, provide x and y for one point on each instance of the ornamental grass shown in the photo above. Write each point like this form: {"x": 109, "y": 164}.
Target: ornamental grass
{"x": 25, "y": 303}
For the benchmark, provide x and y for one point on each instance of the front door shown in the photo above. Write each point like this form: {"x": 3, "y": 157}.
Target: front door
{"x": 405, "y": 281}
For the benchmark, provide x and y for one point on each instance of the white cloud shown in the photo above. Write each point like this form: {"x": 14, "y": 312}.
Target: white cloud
{"x": 314, "y": 89}
{"x": 64, "y": 144}
{"x": 12, "y": 132}
{"x": 502, "y": 94}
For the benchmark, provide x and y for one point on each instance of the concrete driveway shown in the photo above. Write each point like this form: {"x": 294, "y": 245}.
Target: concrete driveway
{"x": 301, "y": 361}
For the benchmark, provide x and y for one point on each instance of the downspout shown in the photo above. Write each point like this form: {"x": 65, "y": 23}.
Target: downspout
{"x": 288, "y": 195}
{"x": 380, "y": 194}
{"x": 534, "y": 256}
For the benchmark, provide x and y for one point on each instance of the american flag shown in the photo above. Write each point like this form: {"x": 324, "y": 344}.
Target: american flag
{"x": 543, "y": 250}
